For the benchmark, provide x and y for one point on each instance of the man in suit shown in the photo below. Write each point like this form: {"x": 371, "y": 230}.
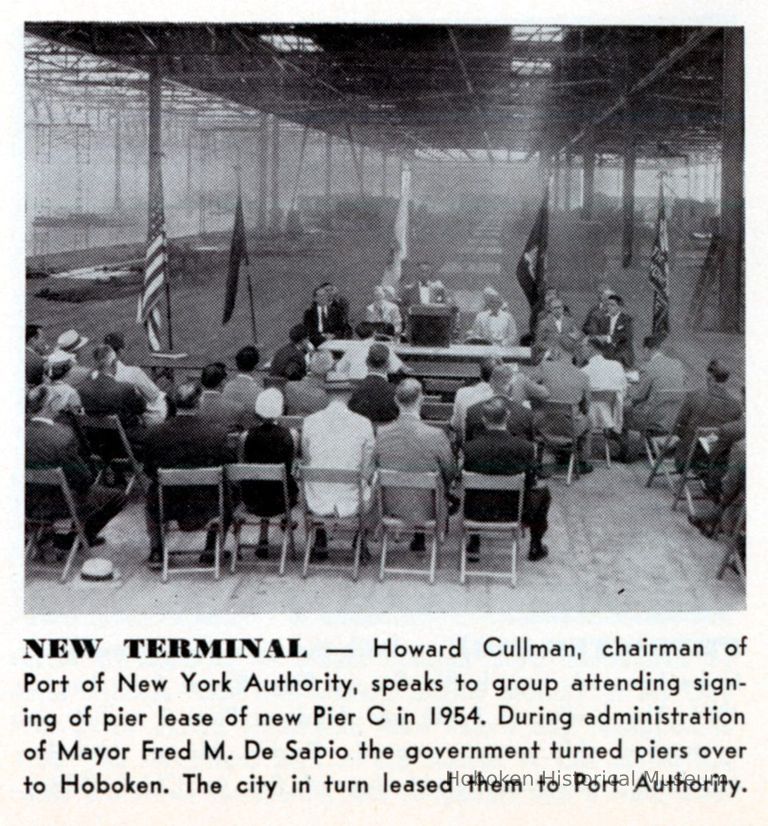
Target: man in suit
{"x": 246, "y": 385}
{"x": 566, "y": 383}
{"x": 325, "y": 319}
{"x": 103, "y": 395}
{"x": 384, "y": 311}
{"x": 556, "y": 329}
{"x": 410, "y": 445}
{"x": 184, "y": 441}
{"x": 614, "y": 332}
{"x": 308, "y": 395}
{"x": 519, "y": 418}
{"x": 496, "y": 452}
{"x": 467, "y": 396}
{"x": 374, "y": 397}
{"x": 592, "y": 321}
{"x": 157, "y": 402}
{"x": 52, "y": 445}
{"x": 659, "y": 372}
{"x": 35, "y": 354}
{"x": 292, "y": 354}
{"x": 215, "y": 407}
{"x": 711, "y": 406}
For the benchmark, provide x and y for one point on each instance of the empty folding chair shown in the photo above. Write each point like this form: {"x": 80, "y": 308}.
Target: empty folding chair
{"x": 691, "y": 473}
{"x": 242, "y": 517}
{"x": 110, "y": 446}
{"x": 557, "y": 433}
{"x": 511, "y": 529}
{"x": 180, "y": 489}
{"x": 392, "y": 520}
{"x": 353, "y": 525}
{"x": 50, "y": 503}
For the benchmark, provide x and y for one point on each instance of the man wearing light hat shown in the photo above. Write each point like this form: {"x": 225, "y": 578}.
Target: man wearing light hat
{"x": 494, "y": 324}
{"x": 68, "y": 345}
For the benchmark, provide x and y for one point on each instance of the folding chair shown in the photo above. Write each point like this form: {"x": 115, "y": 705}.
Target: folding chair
{"x": 559, "y": 443}
{"x": 732, "y": 555}
{"x": 502, "y": 530}
{"x": 603, "y": 400}
{"x": 333, "y": 523}
{"x": 690, "y": 474}
{"x": 49, "y": 502}
{"x": 445, "y": 388}
{"x": 660, "y": 442}
{"x": 236, "y": 443}
{"x": 392, "y": 480}
{"x": 110, "y": 446}
{"x": 236, "y": 474}
{"x": 177, "y": 478}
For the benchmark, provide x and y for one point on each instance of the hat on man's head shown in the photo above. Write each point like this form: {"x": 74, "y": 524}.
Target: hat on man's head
{"x": 71, "y": 341}
{"x": 269, "y": 403}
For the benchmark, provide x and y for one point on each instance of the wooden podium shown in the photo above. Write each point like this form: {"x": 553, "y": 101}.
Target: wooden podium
{"x": 431, "y": 325}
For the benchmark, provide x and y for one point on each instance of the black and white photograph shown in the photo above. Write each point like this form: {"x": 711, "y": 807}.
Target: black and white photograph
{"x": 376, "y": 318}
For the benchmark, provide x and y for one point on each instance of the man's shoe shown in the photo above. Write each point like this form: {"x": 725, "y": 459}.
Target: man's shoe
{"x": 473, "y": 549}
{"x": 585, "y": 467}
{"x": 262, "y": 550}
{"x": 63, "y": 541}
{"x": 155, "y": 560}
{"x": 535, "y": 554}
{"x": 318, "y": 554}
{"x": 418, "y": 544}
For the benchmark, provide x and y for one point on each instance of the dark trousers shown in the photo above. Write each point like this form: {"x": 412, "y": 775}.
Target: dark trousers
{"x": 535, "y": 515}
{"x": 190, "y": 517}
{"x": 98, "y": 507}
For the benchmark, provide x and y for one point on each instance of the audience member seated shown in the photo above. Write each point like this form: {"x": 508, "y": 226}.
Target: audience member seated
{"x": 325, "y": 319}
{"x": 384, "y": 311}
{"x": 496, "y": 452}
{"x": 245, "y": 387}
{"x": 604, "y": 374}
{"x": 214, "y": 407}
{"x": 566, "y": 383}
{"x": 660, "y": 372}
{"x": 354, "y": 363}
{"x": 594, "y": 320}
{"x": 157, "y": 403}
{"x": 308, "y": 394}
{"x": 62, "y": 397}
{"x": 519, "y": 418}
{"x": 268, "y": 443}
{"x": 337, "y": 438}
{"x": 614, "y": 332}
{"x": 709, "y": 407}
{"x": 494, "y": 323}
{"x": 467, "y": 396}
{"x": 727, "y": 436}
{"x": 184, "y": 441}
{"x": 723, "y": 513}
{"x": 556, "y": 329}
{"x": 374, "y": 397}
{"x": 70, "y": 343}
{"x": 52, "y": 445}
{"x": 103, "y": 395}
{"x": 523, "y": 389}
{"x": 293, "y": 353}
{"x": 408, "y": 444}
{"x": 35, "y": 355}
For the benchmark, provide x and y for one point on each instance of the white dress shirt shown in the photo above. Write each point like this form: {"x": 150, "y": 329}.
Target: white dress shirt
{"x": 336, "y": 437}
{"x": 606, "y": 374}
{"x": 498, "y": 327}
{"x": 157, "y": 404}
{"x": 353, "y": 364}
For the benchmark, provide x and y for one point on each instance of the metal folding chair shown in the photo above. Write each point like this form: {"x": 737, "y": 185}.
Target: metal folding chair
{"x": 511, "y": 529}
{"x": 609, "y": 399}
{"x": 111, "y": 448}
{"x": 690, "y": 475}
{"x": 333, "y": 523}
{"x": 49, "y": 502}
{"x": 176, "y": 478}
{"x": 732, "y": 555}
{"x": 660, "y": 443}
{"x": 236, "y": 474}
{"x": 557, "y": 442}
{"x": 392, "y": 480}
{"x": 444, "y": 387}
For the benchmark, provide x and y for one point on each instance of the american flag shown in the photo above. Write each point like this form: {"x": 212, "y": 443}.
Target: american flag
{"x": 155, "y": 262}
{"x": 659, "y": 274}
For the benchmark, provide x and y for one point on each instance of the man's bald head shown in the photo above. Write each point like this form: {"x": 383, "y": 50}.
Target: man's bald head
{"x": 408, "y": 395}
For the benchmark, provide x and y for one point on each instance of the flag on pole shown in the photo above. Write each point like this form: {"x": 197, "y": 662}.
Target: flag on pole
{"x": 659, "y": 273}
{"x": 400, "y": 240}
{"x": 155, "y": 262}
{"x": 532, "y": 266}
{"x": 238, "y": 254}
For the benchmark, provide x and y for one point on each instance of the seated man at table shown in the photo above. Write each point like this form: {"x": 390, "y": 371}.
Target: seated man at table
{"x": 336, "y": 438}
{"x": 354, "y": 363}
{"x": 308, "y": 395}
{"x": 374, "y": 397}
{"x": 185, "y": 441}
{"x": 614, "y": 332}
{"x": 519, "y": 418}
{"x": 592, "y": 322}
{"x": 268, "y": 443}
{"x": 411, "y": 445}
{"x": 494, "y": 324}
{"x": 467, "y": 396}
{"x": 245, "y": 386}
{"x": 325, "y": 319}
{"x": 556, "y": 329}
{"x": 496, "y": 452}
{"x": 604, "y": 375}
{"x": 660, "y": 372}
{"x": 292, "y": 354}
{"x": 384, "y": 311}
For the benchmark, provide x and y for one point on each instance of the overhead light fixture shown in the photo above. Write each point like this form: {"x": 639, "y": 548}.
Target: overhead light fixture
{"x": 290, "y": 42}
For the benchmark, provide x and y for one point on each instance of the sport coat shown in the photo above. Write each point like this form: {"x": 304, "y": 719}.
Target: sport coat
{"x": 548, "y": 336}
{"x": 710, "y": 406}
{"x": 224, "y": 412}
{"x": 306, "y": 396}
{"x": 103, "y": 395}
{"x": 660, "y": 372}
{"x": 52, "y": 445}
{"x": 288, "y": 355}
{"x": 519, "y": 421}
{"x": 336, "y": 323}
{"x": 621, "y": 345}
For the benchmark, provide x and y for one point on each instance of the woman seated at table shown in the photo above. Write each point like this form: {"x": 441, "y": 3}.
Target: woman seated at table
{"x": 494, "y": 324}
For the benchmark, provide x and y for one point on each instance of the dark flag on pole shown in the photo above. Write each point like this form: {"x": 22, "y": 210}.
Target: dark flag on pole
{"x": 532, "y": 267}
{"x": 659, "y": 273}
{"x": 238, "y": 254}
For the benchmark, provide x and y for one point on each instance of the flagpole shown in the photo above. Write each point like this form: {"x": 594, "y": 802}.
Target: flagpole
{"x": 247, "y": 265}
{"x": 168, "y": 313}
